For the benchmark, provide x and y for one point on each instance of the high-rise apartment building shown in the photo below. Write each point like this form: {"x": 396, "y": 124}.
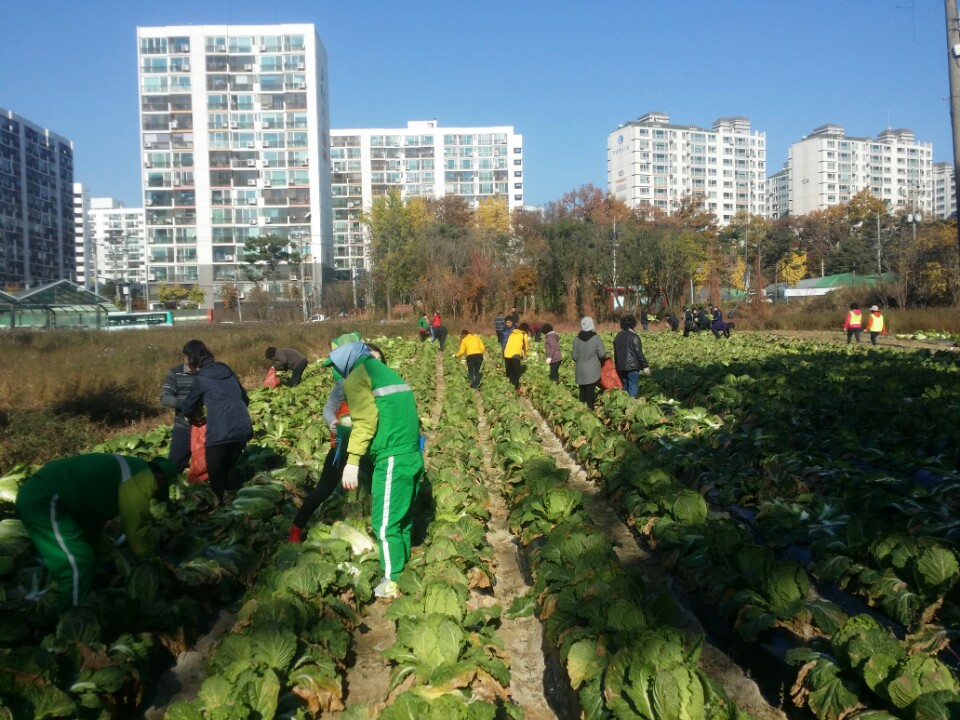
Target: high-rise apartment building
{"x": 83, "y": 238}
{"x": 943, "y": 180}
{"x": 653, "y": 162}
{"x": 119, "y": 240}
{"x": 828, "y": 168}
{"x": 778, "y": 193}
{"x": 420, "y": 160}
{"x": 36, "y": 204}
{"x": 234, "y": 123}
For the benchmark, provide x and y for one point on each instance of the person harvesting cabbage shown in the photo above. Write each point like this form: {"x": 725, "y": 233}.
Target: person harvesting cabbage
{"x": 336, "y": 413}
{"x": 67, "y": 501}
{"x": 385, "y": 425}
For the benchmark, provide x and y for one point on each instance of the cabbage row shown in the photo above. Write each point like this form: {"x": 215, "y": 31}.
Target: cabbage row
{"x": 622, "y": 655}
{"x": 849, "y": 455}
{"x": 640, "y": 457}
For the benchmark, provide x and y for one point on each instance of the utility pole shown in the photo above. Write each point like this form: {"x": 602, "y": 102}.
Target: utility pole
{"x": 953, "y": 65}
{"x": 879, "y": 268}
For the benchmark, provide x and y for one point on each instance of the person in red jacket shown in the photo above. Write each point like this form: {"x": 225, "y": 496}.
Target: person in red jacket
{"x": 853, "y": 322}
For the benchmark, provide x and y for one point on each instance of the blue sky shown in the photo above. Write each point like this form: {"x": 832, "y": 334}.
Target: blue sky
{"x": 563, "y": 73}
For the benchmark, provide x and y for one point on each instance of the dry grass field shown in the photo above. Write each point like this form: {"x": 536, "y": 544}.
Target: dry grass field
{"x": 63, "y": 391}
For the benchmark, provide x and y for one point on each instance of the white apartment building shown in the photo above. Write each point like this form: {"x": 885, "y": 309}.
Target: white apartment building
{"x": 828, "y": 168}
{"x": 36, "y": 204}
{"x": 420, "y": 160}
{"x": 119, "y": 240}
{"x": 83, "y": 238}
{"x": 234, "y": 124}
{"x": 778, "y": 193}
{"x": 943, "y": 180}
{"x": 653, "y": 162}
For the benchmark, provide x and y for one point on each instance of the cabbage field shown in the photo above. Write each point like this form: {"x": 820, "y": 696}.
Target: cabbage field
{"x": 793, "y": 505}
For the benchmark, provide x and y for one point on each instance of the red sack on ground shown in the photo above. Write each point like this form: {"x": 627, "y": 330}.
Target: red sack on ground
{"x": 197, "y": 472}
{"x": 271, "y": 380}
{"x": 609, "y": 379}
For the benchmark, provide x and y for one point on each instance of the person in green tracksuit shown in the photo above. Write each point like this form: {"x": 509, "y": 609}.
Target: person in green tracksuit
{"x": 66, "y": 502}
{"x": 385, "y": 425}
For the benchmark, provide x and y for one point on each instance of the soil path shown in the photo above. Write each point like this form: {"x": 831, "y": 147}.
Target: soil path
{"x": 530, "y": 683}
{"x": 368, "y": 675}
{"x": 713, "y": 661}
{"x": 182, "y": 682}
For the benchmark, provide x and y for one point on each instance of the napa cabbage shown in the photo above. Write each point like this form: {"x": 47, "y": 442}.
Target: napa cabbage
{"x": 360, "y": 543}
{"x": 689, "y": 508}
{"x": 784, "y": 582}
{"x": 919, "y": 675}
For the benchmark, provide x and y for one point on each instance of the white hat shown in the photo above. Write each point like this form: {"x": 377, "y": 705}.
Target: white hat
{"x": 875, "y": 308}
{"x": 586, "y": 325}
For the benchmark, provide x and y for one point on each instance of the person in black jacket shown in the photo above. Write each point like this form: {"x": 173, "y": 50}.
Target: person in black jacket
{"x": 176, "y": 386}
{"x": 628, "y": 355}
{"x": 704, "y": 318}
{"x": 218, "y": 390}
{"x": 689, "y": 322}
{"x": 287, "y": 359}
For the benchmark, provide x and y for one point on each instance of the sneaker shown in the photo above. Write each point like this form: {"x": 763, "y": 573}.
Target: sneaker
{"x": 386, "y": 589}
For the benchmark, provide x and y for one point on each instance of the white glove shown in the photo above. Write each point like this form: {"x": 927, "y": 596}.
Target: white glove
{"x": 350, "y": 477}
{"x": 646, "y": 371}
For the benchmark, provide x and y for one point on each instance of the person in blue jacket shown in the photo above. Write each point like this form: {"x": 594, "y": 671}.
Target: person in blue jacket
{"x": 217, "y": 389}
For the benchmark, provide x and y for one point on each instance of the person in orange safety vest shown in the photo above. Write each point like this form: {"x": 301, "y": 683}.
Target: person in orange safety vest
{"x": 853, "y": 322}
{"x": 875, "y": 324}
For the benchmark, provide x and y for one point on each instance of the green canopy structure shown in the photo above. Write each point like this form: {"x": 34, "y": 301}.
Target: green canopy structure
{"x": 812, "y": 287}
{"x": 60, "y": 304}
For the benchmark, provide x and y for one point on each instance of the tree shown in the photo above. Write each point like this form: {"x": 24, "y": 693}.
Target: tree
{"x": 523, "y": 281}
{"x": 172, "y": 294}
{"x": 196, "y": 295}
{"x": 792, "y": 269}
{"x": 263, "y": 256}
{"x": 394, "y": 227}
{"x": 493, "y": 216}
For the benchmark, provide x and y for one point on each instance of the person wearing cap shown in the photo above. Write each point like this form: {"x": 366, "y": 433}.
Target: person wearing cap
{"x": 875, "y": 324}
{"x": 473, "y": 348}
{"x": 387, "y": 427}
{"x": 287, "y": 359}
{"x": 67, "y": 501}
{"x": 853, "y": 322}
{"x": 587, "y": 353}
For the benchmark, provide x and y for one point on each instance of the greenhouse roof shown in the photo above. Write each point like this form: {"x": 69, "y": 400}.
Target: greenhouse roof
{"x": 61, "y": 294}
{"x": 843, "y": 280}
{"x": 7, "y": 297}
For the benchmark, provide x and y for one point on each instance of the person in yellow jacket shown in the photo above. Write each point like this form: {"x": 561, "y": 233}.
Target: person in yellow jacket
{"x": 515, "y": 351}
{"x": 471, "y": 346}
{"x": 875, "y": 324}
